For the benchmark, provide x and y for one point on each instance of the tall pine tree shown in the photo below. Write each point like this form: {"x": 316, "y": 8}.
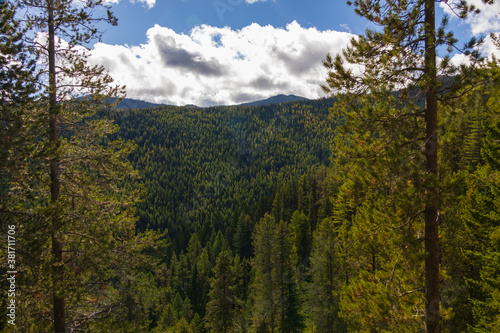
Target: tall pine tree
{"x": 223, "y": 306}
{"x": 384, "y": 125}
{"x": 85, "y": 225}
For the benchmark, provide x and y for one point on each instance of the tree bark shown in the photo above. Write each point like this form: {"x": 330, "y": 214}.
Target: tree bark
{"x": 432, "y": 295}
{"x": 55, "y": 185}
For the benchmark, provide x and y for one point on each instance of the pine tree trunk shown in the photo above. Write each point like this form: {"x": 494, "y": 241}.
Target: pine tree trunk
{"x": 432, "y": 297}
{"x": 58, "y": 269}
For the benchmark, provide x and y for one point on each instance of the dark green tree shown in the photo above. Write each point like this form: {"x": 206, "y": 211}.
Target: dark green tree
{"x": 264, "y": 310}
{"x": 276, "y": 304}
{"x": 85, "y": 219}
{"x": 324, "y": 302}
{"x": 17, "y": 87}
{"x": 223, "y": 306}
{"x": 18, "y": 127}
{"x": 243, "y": 236}
{"x": 301, "y": 237}
{"x": 287, "y": 304}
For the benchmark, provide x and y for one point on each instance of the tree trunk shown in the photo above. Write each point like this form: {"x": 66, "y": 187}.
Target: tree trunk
{"x": 432, "y": 296}
{"x": 55, "y": 185}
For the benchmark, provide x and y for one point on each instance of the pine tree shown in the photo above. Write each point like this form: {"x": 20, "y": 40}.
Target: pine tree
{"x": 323, "y": 292}
{"x": 16, "y": 89}
{"x": 301, "y": 236}
{"x": 382, "y": 124}
{"x": 276, "y": 305}
{"x": 19, "y": 122}
{"x": 481, "y": 215}
{"x": 204, "y": 269}
{"x": 18, "y": 126}
{"x": 264, "y": 311}
{"x": 223, "y": 306}
{"x": 243, "y": 236}
{"x": 289, "y": 318}
{"x": 85, "y": 220}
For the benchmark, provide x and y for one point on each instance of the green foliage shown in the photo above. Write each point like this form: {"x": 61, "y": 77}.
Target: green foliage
{"x": 16, "y": 93}
{"x": 264, "y": 311}
{"x": 326, "y": 271}
{"x": 243, "y": 236}
{"x": 275, "y": 300}
{"x": 316, "y": 249}
{"x": 202, "y": 167}
{"x": 223, "y": 306}
{"x": 301, "y": 236}
{"x": 82, "y": 266}
{"x": 385, "y": 288}
{"x": 289, "y": 317}
{"x": 387, "y": 150}
{"x": 481, "y": 216}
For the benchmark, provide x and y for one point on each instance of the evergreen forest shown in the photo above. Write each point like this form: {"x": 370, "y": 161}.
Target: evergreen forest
{"x": 376, "y": 209}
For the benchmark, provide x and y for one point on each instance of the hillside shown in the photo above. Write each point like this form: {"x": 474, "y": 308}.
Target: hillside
{"x": 127, "y": 103}
{"x": 275, "y": 100}
{"x": 200, "y": 167}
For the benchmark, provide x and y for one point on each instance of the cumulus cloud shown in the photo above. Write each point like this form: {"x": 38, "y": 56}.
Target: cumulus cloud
{"x": 212, "y": 66}
{"x": 488, "y": 20}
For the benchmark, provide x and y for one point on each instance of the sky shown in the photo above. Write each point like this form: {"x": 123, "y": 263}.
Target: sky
{"x": 223, "y": 52}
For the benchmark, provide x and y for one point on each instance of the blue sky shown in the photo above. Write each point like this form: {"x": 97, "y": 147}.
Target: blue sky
{"x": 182, "y": 15}
{"x": 212, "y": 52}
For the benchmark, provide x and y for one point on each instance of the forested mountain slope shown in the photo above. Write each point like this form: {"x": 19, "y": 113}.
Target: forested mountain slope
{"x": 200, "y": 167}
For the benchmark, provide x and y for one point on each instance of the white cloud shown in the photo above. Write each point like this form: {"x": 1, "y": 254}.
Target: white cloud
{"x": 149, "y": 3}
{"x": 222, "y": 66}
{"x": 489, "y": 48}
{"x": 345, "y": 27}
{"x": 488, "y": 20}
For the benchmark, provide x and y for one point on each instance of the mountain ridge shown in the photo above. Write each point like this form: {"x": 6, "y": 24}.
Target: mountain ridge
{"x": 277, "y": 99}
{"x": 281, "y": 98}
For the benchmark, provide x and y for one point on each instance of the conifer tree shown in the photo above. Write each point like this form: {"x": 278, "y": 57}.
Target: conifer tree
{"x": 481, "y": 215}
{"x": 264, "y": 311}
{"x": 222, "y": 308}
{"x": 85, "y": 224}
{"x": 243, "y": 236}
{"x": 276, "y": 305}
{"x": 324, "y": 303}
{"x": 18, "y": 127}
{"x": 289, "y": 318}
{"x": 301, "y": 236}
{"x": 204, "y": 269}
{"x": 381, "y": 124}
{"x": 16, "y": 89}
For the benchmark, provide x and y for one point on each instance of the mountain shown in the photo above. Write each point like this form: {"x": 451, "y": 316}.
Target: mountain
{"x": 191, "y": 106}
{"x": 134, "y": 104}
{"x": 138, "y": 104}
{"x": 202, "y": 166}
{"x": 276, "y": 100}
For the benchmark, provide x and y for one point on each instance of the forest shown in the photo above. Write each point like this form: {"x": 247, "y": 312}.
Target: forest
{"x": 374, "y": 210}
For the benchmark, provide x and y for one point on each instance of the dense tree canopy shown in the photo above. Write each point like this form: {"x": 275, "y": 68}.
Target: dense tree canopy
{"x": 311, "y": 216}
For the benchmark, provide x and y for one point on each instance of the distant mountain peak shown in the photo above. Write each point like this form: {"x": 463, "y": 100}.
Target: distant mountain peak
{"x": 281, "y": 98}
{"x": 192, "y": 106}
